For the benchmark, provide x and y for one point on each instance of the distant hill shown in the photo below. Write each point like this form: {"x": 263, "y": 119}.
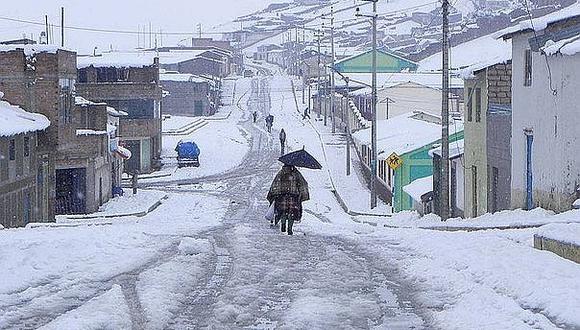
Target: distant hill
{"x": 410, "y": 27}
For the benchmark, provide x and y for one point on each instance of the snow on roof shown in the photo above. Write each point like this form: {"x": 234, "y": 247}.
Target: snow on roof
{"x": 429, "y": 79}
{"x": 407, "y": 132}
{"x": 116, "y": 59}
{"x": 479, "y": 53}
{"x": 470, "y": 71}
{"x": 14, "y": 120}
{"x": 419, "y": 187}
{"x": 181, "y": 77}
{"x": 540, "y": 23}
{"x": 30, "y": 50}
{"x": 456, "y": 149}
{"x": 568, "y": 46}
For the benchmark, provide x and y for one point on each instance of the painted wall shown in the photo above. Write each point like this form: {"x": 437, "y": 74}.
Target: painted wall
{"x": 475, "y": 148}
{"x": 554, "y": 119}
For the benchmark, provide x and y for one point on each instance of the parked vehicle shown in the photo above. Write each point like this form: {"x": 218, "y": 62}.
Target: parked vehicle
{"x": 187, "y": 154}
{"x": 248, "y": 73}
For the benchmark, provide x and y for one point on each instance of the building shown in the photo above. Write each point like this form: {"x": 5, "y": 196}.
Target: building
{"x": 488, "y": 139}
{"x": 386, "y": 62}
{"x": 41, "y": 79}
{"x": 189, "y": 95}
{"x": 545, "y": 167}
{"x": 409, "y": 138}
{"x": 129, "y": 84}
{"x": 23, "y": 186}
{"x": 456, "y": 179}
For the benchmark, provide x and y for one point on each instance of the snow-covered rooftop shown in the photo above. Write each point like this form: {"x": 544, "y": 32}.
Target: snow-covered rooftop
{"x": 81, "y": 101}
{"x": 419, "y": 187}
{"x": 429, "y": 79}
{"x": 475, "y": 54}
{"x": 116, "y": 113}
{"x": 14, "y": 120}
{"x": 407, "y": 132}
{"x": 569, "y": 46}
{"x": 540, "y": 23}
{"x": 30, "y": 50}
{"x": 181, "y": 77}
{"x": 116, "y": 59}
{"x": 456, "y": 149}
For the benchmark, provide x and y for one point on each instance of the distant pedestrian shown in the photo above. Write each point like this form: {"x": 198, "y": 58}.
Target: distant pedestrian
{"x": 134, "y": 181}
{"x": 289, "y": 189}
{"x": 255, "y": 116}
{"x": 282, "y": 142}
{"x": 269, "y": 123}
{"x": 306, "y": 114}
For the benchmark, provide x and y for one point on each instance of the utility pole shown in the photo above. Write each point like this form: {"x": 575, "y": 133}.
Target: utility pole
{"x": 318, "y": 36}
{"x": 62, "y": 26}
{"x": 332, "y": 82}
{"x": 46, "y": 29}
{"x": 374, "y": 151}
{"x": 445, "y": 117}
{"x": 348, "y": 131}
{"x": 199, "y": 30}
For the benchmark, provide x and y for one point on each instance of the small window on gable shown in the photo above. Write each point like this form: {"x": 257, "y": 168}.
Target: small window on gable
{"x": 478, "y": 105}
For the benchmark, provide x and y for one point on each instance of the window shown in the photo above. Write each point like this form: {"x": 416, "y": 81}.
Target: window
{"x": 82, "y": 76}
{"x": 12, "y": 149}
{"x": 469, "y": 104}
{"x": 137, "y": 109}
{"x": 66, "y": 99}
{"x": 528, "y": 68}
{"x": 474, "y": 189}
{"x": 112, "y": 74}
{"x": 26, "y": 146}
{"x": 478, "y": 105}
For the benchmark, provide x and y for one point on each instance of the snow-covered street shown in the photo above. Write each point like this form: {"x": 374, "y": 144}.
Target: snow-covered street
{"x": 207, "y": 259}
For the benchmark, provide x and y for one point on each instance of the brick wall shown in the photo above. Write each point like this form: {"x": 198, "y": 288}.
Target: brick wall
{"x": 182, "y": 98}
{"x": 499, "y": 79}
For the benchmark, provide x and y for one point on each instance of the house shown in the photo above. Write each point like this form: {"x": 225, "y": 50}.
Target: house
{"x": 128, "y": 83}
{"x": 23, "y": 197}
{"x": 456, "y": 178}
{"x": 386, "y": 62}
{"x": 74, "y": 149}
{"x": 545, "y": 144}
{"x": 402, "y": 92}
{"x": 408, "y": 138}
{"x": 421, "y": 192}
{"x": 488, "y": 137}
{"x": 189, "y": 95}
{"x": 40, "y": 79}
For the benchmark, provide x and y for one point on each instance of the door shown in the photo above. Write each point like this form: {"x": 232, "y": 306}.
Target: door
{"x": 134, "y": 163}
{"x": 71, "y": 194}
{"x": 197, "y": 108}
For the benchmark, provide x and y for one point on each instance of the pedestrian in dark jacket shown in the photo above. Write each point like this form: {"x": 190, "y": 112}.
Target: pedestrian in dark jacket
{"x": 282, "y": 142}
{"x": 289, "y": 189}
{"x": 255, "y": 115}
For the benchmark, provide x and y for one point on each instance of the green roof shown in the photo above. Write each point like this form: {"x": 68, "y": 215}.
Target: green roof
{"x": 386, "y": 62}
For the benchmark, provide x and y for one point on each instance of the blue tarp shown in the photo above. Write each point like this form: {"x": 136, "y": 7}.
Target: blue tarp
{"x": 187, "y": 150}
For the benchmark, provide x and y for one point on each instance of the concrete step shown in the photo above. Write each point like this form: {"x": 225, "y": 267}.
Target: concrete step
{"x": 187, "y": 129}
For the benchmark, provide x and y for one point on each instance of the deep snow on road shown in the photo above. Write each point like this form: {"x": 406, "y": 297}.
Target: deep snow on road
{"x": 207, "y": 258}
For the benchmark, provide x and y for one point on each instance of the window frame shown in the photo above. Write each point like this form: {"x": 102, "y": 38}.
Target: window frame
{"x": 528, "y": 68}
{"x": 478, "y": 104}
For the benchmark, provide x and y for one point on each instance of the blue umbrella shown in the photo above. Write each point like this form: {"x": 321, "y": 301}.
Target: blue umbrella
{"x": 300, "y": 158}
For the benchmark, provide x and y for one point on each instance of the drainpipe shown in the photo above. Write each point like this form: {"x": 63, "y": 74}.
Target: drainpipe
{"x": 529, "y": 133}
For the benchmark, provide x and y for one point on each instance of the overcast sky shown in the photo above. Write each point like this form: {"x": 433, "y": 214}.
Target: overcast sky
{"x": 168, "y": 15}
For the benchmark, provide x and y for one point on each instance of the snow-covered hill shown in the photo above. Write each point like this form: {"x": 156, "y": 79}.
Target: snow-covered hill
{"x": 411, "y": 27}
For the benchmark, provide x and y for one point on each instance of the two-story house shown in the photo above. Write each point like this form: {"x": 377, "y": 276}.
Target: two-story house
{"x": 545, "y": 167}
{"x": 23, "y": 186}
{"x": 129, "y": 84}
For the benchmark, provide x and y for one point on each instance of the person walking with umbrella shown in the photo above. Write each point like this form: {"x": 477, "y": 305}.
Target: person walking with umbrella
{"x": 289, "y": 188}
{"x": 282, "y": 142}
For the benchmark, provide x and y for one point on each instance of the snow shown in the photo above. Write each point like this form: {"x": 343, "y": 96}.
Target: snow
{"x": 116, "y": 113}
{"x": 107, "y": 311}
{"x": 405, "y": 133}
{"x": 456, "y": 149}
{"x": 87, "y": 132}
{"x": 118, "y": 60}
{"x": 181, "y": 77}
{"x": 14, "y": 120}
{"x": 540, "y": 23}
{"x": 429, "y": 79}
{"x": 569, "y": 233}
{"x": 81, "y": 101}
{"x": 569, "y": 46}
{"x": 475, "y": 55}
{"x": 31, "y": 50}
{"x": 419, "y": 187}
{"x": 123, "y": 205}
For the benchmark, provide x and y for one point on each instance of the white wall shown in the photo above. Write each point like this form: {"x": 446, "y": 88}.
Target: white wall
{"x": 555, "y": 122}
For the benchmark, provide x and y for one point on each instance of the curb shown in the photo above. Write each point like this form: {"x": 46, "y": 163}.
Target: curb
{"x": 122, "y": 215}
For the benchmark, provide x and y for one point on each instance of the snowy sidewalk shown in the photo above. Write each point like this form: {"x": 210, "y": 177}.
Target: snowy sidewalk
{"x": 128, "y": 205}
